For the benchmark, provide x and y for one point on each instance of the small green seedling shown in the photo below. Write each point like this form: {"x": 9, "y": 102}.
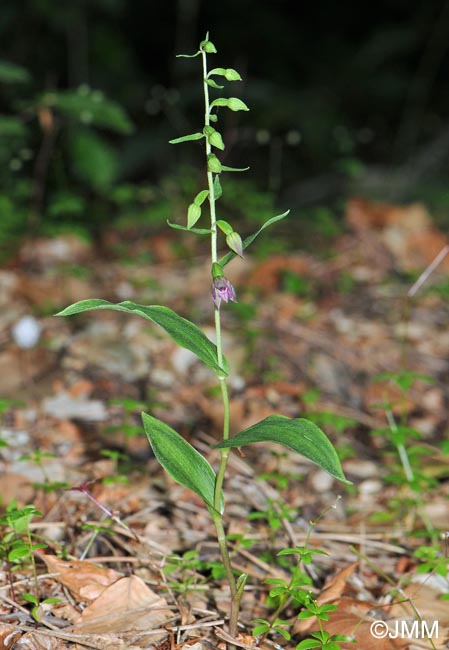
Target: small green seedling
{"x": 321, "y": 639}
{"x": 38, "y": 609}
{"x": 177, "y": 456}
{"x": 16, "y": 544}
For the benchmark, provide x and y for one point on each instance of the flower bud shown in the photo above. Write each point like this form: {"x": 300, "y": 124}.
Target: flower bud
{"x": 213, "y": 164}
{"x": 234, "y": 241}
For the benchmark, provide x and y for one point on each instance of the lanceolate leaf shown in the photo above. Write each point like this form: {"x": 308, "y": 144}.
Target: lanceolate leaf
{"x": 233, "y": 103}
{"x": 187, "y": 138}
{"x": 224, "y": 168}
{"x": 198, "y": 231}
{"x": 230, "y": 74}
{"x": 298, "y": 434}
{"x": 188, "y": 56}
{"x": 201, "y": 197}
{"x": 249, "y": 240}
{"x": 180, "y": 460}
{"x": 193, "y": 214}
{"x": 213, "y": 84}
{"x": 182, "y": 331}
{"x": 217, "y": 187}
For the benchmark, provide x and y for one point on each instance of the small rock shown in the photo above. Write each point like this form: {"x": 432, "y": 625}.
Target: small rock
{"x": 66, "y": 407}
{"x": 26, "y": 332}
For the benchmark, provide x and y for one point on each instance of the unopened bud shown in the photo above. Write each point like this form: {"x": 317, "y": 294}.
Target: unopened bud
{"x": 234, "y": 241}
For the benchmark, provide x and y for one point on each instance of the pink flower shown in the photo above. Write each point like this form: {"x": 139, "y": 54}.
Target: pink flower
{"x": 222, "y": 289}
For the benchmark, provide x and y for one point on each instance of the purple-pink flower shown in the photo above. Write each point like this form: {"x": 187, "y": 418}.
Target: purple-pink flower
{"x": 222, "y": 289}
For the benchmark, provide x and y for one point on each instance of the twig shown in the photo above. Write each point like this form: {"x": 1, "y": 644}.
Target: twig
{"x": 428, "y": 271}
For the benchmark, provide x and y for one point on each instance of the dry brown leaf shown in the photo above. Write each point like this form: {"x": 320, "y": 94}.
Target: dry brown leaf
{"x": 37, "y": 641}
{"x": 84, "y": 580}
{"x": 67, "y": 612}
{"x": 127, "y": 604}
{"x": 9, "y": 634}
{"x": 351, "y": 619}
{"x": 335, "y": 587}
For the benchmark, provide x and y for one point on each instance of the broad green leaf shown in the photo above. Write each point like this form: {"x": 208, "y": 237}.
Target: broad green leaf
{"x": 19, "y": 553}
{"x": 193, "y": 214}
{"x": 224, "y": 168}
{"x": 201, "y": 197}
{"x": 249, "y": 240}
{"x": 213, "y": 84}
{"x": 297, "y": 434}
{"x": 180, "y": 460}
{"x": 30, "y": 598}
{"x": 181, "y": 330}
{"x": 198, "y": 231}
{"x": 187, "y": 138}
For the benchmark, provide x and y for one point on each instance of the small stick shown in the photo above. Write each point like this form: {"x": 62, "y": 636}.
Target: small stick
{"x": 428, "y": 271}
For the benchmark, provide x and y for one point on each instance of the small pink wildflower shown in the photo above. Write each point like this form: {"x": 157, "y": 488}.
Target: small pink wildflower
{"x": 222, "y": 289}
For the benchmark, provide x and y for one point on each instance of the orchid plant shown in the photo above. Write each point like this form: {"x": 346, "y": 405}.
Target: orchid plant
{"x": 177, "y": 456}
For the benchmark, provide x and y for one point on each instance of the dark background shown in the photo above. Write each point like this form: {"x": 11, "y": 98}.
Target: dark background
{"x": 346, "y": 99}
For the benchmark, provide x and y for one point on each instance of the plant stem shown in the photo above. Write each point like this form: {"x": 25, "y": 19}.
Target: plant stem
{"x": 210, "y": 179}
{"x": 217, "y": 514}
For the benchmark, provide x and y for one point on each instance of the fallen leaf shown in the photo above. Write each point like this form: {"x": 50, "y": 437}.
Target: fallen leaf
{"x": 36, "y": 641}
{"x": 84, "y": 580}
{"x": 9, "y": 634}
{"x": 127, "y": 604}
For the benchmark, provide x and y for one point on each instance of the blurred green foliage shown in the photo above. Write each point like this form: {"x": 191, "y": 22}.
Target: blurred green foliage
{"x": 91, "y": 91}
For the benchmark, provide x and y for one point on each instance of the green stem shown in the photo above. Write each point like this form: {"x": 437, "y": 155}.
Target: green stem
{"x": 210, "y": 178}
{"x": 235, "y": 594}
{"x": 217, "y": 515}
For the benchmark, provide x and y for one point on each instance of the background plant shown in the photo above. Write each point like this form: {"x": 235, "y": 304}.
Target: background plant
{"x": 178, "y": 457}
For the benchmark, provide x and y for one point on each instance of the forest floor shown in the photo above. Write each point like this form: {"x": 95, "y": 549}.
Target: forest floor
{"x": 129, "y": 555}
